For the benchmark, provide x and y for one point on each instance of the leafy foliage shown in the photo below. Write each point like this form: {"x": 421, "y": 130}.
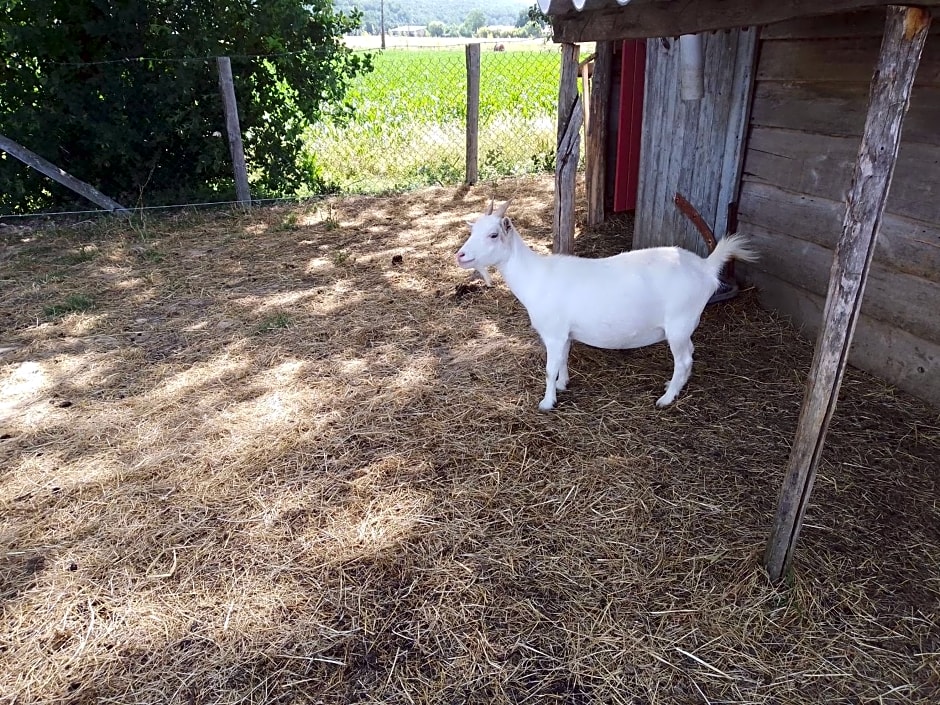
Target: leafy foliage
{"x": 124, "y": 94}
{"x": 534, "y": 14}
{"x": 474, "y": 20}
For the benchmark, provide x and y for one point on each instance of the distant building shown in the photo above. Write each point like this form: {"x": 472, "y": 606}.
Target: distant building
{"x": 409, "y": 31}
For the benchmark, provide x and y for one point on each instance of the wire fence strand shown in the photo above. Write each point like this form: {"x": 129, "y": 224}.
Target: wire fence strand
{"x": 406, "y": 120}
{"x": 403, "y": 125}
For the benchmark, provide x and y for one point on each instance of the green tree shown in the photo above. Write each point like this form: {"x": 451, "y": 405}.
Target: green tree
{"x": 536, "y": 15}
{"x": 531, "y": 30}
{"x": 124, "y": 94}
{"x": 473, "y": 22}
{"x": 436, "y": 29}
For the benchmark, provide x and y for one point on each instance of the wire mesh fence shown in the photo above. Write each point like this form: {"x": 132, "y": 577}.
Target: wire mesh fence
{"x": 407, "y": 123}
{"x": 402, "y": 125}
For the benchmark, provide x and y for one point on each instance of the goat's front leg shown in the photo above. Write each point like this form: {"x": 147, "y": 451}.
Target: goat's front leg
{"x": 555, "y": 354}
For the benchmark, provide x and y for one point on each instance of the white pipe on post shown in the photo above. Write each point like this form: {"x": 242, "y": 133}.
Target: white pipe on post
{"x": 691, "y": 67}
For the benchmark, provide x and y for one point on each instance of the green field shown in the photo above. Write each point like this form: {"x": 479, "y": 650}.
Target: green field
{"x": 407, "y": 124}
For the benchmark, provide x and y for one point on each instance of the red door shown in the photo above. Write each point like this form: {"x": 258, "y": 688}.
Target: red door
{"x": 632, "y": 76}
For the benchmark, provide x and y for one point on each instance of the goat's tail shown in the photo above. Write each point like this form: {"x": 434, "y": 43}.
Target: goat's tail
{"x": 730, "y": 247}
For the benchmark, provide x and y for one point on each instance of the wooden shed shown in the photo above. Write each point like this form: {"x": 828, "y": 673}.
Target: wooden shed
{"x": 791, "y": 132}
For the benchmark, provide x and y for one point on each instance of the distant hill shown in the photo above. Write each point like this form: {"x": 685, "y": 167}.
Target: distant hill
{"x": 421, "y": 12}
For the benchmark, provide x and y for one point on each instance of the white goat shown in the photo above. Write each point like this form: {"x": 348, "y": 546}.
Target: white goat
{"x": 626, "y": 301}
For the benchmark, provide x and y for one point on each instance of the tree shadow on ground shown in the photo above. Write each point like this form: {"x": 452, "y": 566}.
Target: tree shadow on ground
{"x": 295, "y": 465}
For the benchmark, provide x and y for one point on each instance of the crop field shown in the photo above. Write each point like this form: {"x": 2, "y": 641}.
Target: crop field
{"x": 407, "y": 124}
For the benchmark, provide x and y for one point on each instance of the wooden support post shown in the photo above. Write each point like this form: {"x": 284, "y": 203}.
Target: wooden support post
{"x": 227, "y": 86}
{"x": 904, "y": 37}
{"x": 473, "y": 113}
{"x": 46, "y": 167}
{"x": 584, "y": 71}
{"x": 570, "y": 118}
{"x": 595, "y": 169}
{"x": 584, "y": 68}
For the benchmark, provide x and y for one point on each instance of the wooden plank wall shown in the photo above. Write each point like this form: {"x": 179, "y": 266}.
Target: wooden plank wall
{"x": 810, "y": 100}
{"x": 692, "y": 147}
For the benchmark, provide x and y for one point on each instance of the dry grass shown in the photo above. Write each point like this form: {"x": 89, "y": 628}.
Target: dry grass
{"x": 269, "y": 465}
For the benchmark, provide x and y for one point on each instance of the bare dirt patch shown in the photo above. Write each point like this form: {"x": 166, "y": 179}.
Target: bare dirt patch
{"x": 294, "y": 456}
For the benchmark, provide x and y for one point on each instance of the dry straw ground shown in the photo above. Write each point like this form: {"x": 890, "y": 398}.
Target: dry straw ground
{"x": 273, "y": 465}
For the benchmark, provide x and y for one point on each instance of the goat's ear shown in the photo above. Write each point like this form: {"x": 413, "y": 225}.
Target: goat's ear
{"x": 470, "y": 221}
{"x": 501, "y": 211}
{"x": 505, "y": 225}
{"x": 489, "y": 208}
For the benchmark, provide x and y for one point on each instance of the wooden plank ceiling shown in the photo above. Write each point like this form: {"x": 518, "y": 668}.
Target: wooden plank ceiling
{"x": 610, "y": 20}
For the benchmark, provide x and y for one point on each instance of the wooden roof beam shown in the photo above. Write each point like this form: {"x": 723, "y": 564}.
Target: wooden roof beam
{"x": 603, "y": 20}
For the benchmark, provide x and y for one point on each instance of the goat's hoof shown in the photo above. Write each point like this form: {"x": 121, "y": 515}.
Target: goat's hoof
{"x": 561, "y": 386}
{"x": 546, "y": 405}
{"x": 664, "y": 400}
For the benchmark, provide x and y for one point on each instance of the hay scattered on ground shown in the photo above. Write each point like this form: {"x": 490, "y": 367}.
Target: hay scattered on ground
{"x": 293, "y": 456}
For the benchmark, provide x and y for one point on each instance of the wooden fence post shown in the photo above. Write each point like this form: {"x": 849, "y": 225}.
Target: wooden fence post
{"x": 904, "y": 36}
{"x": 227, "y": 87}
{"x": 49, "y": 169}
{"x": 595, "y": 168}
{"x": 570, "y": 118}
{"x": 473, "y": 112}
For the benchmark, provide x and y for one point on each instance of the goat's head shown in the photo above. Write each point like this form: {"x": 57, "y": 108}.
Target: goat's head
{"x": 490, "y": 241}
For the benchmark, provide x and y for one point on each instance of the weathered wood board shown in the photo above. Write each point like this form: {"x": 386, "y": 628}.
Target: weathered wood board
{"x": 838, "y": 109}
{"x": 570, "y": 119}
{"x": 47, "y": 168}
{"x": 821, "y": 165}
{"x": 904, "y": 360}
{"x": 602, "y": 19}
{"x": 906, "y": 245}
{"x": 892, "y": 297}
{"x": 692, "y": 147}
{"x": 595, "y": 170}
{"x": 862, "y": 23}
{"x": 810, "y": 102}
{"x": 836, "y": 60}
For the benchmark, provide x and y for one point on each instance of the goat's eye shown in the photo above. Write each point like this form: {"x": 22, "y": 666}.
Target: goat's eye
{"x": 493, "y": 236}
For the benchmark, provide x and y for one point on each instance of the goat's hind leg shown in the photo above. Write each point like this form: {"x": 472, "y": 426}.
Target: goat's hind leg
{"x": 681, "y": 348}
{"x": 561, "y": 384}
